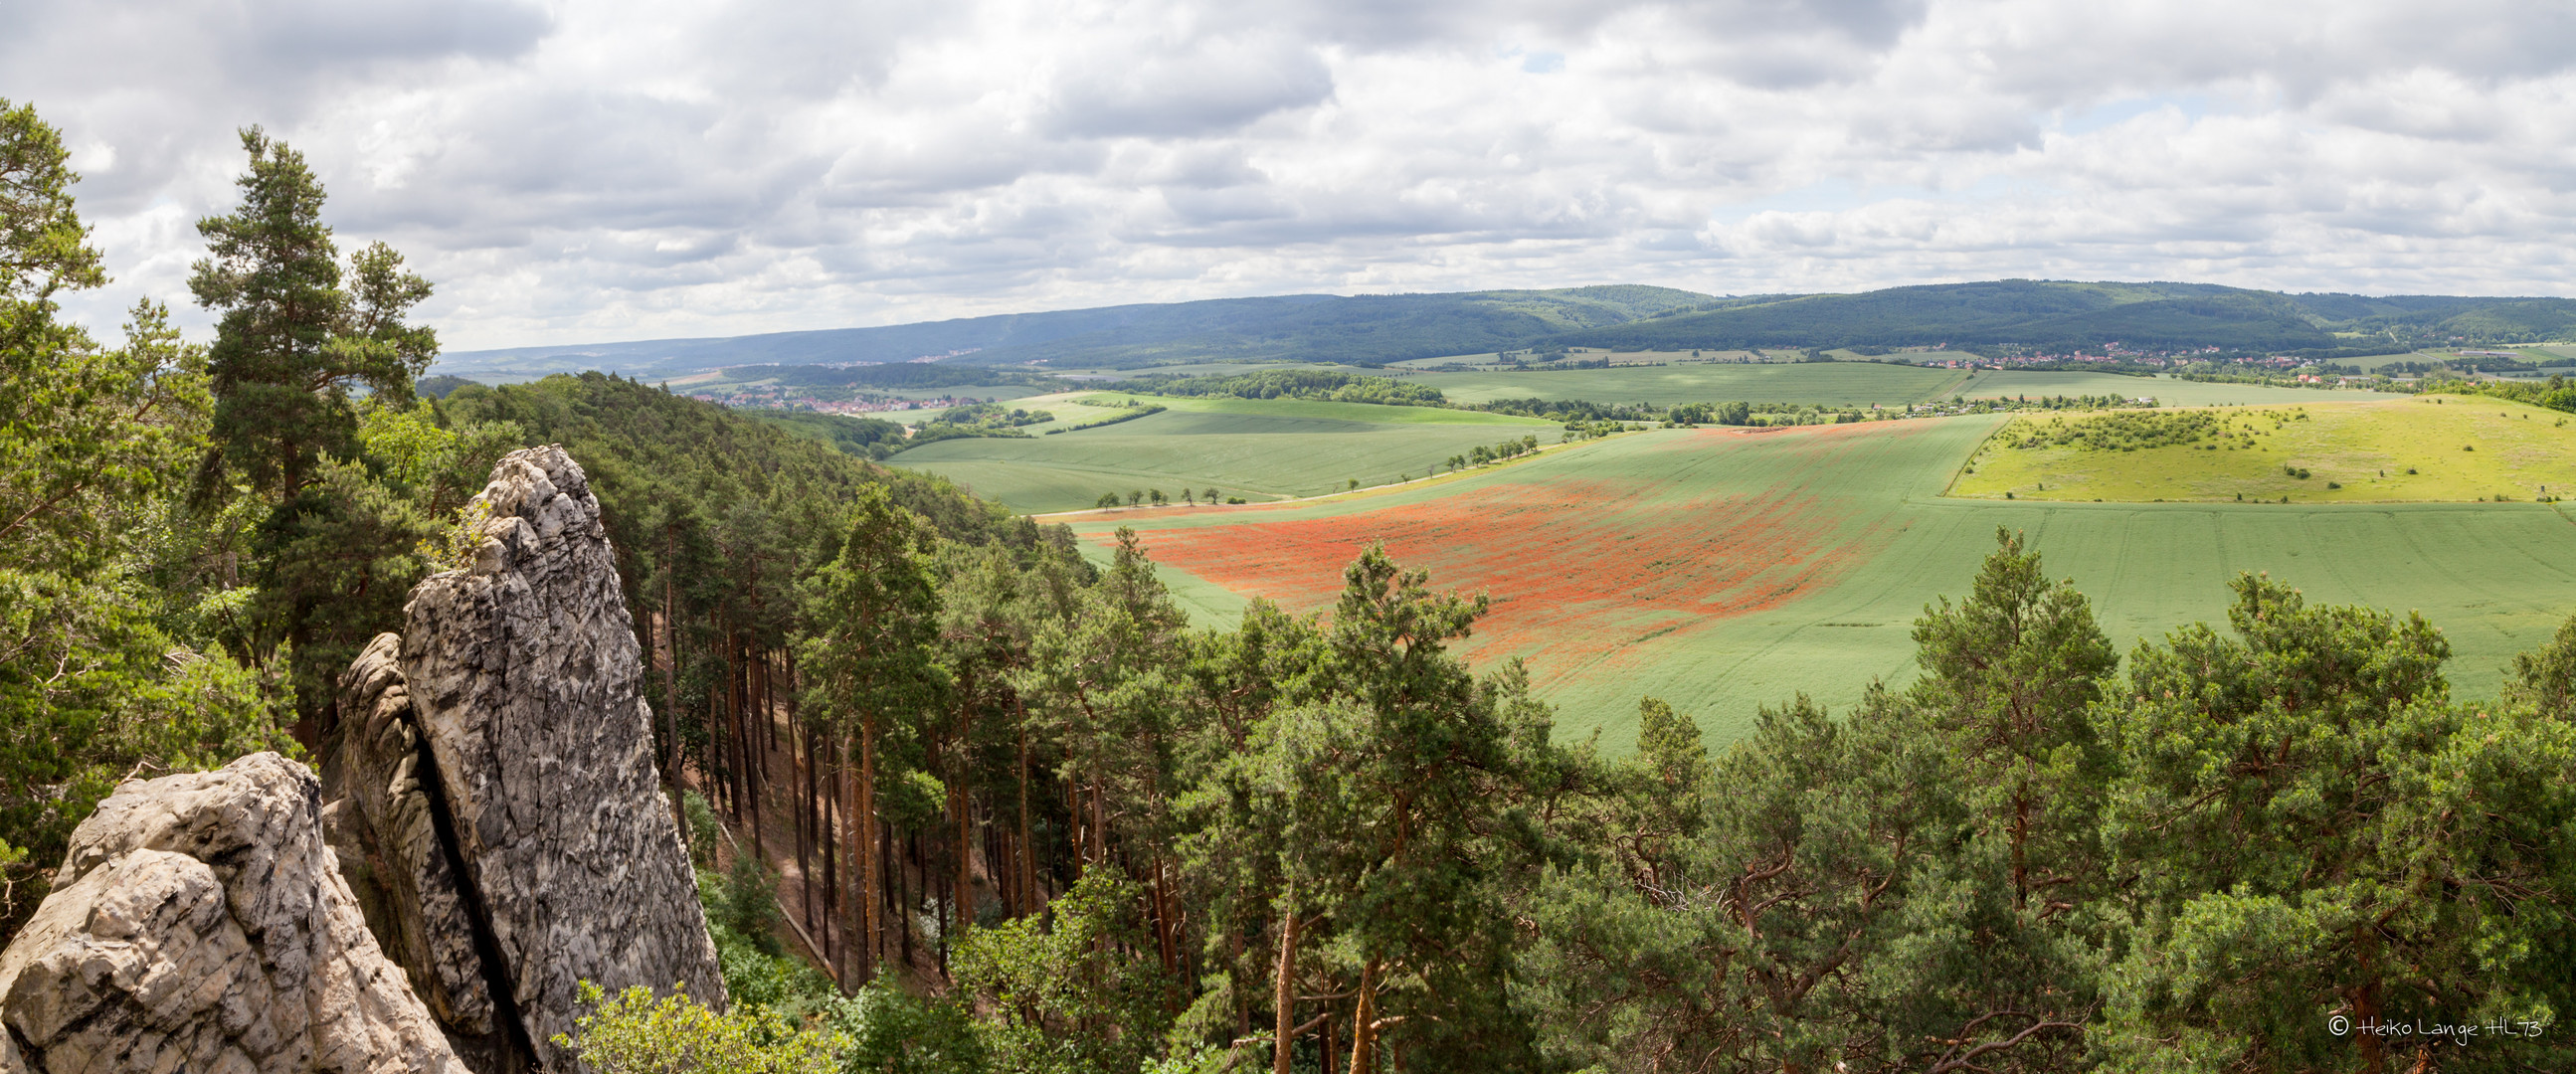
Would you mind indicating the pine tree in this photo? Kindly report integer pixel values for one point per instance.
(291, 343)
(874, 617)
(291, 347)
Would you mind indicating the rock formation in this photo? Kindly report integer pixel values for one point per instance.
(198, 924)
(384, 820)
(494, 786)
(494, 831)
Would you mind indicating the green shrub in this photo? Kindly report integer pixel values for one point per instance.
(632, 1032)
(702, 830)
(892, 1031)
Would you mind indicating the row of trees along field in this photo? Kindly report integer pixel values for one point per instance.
(987, 806)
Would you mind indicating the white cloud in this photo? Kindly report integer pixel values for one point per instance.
(578, 169)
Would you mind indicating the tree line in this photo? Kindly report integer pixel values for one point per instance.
(1325, 842)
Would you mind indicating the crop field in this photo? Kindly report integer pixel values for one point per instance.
(2401, 449)
(1724, 569)
(721, 382)
(2169, 391)
(1828, 383)
(1259, 449)
(1203, 369)
(1072, 408)
(1586, 353)
(1841, 384)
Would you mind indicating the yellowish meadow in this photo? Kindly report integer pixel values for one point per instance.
(2437, 448)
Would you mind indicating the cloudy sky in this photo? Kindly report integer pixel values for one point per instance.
(591, 170)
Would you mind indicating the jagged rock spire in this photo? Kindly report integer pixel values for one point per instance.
(509, 716)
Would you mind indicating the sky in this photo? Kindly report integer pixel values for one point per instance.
(582, 170)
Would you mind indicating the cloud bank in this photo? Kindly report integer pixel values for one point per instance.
(580, 170)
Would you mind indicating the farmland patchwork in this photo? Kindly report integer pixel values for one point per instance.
(1723, 570)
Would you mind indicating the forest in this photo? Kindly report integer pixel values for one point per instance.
(969, 799)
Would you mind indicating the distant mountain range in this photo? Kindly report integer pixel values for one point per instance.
(1380, 329)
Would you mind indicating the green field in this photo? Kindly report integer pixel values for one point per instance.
(1259, 449)
(2411, 449)
(1206, 369)
(1827, 383)
(1282, 448)
(1839, 384)
(1701, 356)
(2169, 391)
(1723, 570)
(1074, 408)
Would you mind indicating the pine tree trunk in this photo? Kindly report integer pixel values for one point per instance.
(901, 895)
(1363, 1030)
(1163, 940)
(1028, 851)
(758, 700)
(1076, 823)
(836, 931)
(962, 894)
(719, 752)
(1099, 822)
(1284, 990)
(808, 822)
(863, 818)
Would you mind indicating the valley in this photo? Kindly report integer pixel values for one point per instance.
(1728, 569)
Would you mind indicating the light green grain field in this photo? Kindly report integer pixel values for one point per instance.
(1841, 384)
(1263, 449)
(1865, 504)
(1825, 383)
(1258, 449)
(2169, 391)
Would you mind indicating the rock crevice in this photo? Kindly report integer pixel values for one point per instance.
(498, 754)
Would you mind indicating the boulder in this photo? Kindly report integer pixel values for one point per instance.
(492, 771)
(198, 924)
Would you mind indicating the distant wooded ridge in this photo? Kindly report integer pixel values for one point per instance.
(2038, 316)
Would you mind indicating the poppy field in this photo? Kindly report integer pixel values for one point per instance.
(1723, 569)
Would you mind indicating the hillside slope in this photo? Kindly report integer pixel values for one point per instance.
(1364, 329)
(1379, 329)
(2055, 314)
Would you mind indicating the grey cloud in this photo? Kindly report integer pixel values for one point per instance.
(596, 170)
(1205, 87)
(1375, 24)
(312, 34)
(1874, 24)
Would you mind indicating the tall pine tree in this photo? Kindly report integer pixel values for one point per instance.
(292, 350)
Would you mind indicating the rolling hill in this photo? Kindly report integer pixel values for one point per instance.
(2055, 314)
(1375, 330)
(1361, 329)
